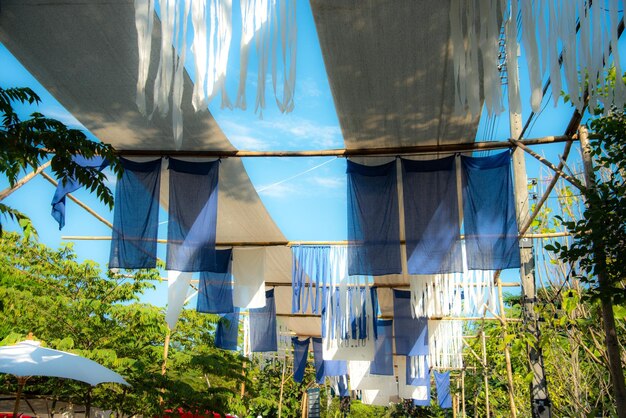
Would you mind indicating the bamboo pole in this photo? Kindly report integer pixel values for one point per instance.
(264, 243)
(507, 352)
(7, 192)
(354, 152)
(485, 377)
(166, 347)
(547, 163)
(555, 179)
(282, 385)
(463, 393)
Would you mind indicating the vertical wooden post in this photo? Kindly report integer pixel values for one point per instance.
(606, 301)
(463, 393)
(540, 401)
(507, 352)
(282, 385)
(21, 381)
(485, 377)
(166, 347)
(243, 383)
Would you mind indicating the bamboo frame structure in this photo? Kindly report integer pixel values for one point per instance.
(523, 144)
(354, 152)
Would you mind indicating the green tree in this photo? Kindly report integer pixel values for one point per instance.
(30, 142)
(72, 306)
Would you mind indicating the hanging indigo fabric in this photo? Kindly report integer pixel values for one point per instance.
(411, 334)
(323, 367)
(227, 331)
(318, 360)
(136, 216)
(417, 371)
(312, 262)
(442, 380)
(300, 355)
(490, 224)
(215, 290)
(373, 220)
(192, 215)
(348, 324)
(383, 358)
(431, 215)
(342, 387)
(263, 336)
(96, 163)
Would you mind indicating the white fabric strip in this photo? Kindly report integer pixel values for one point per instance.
(445, 344)
(177, 288)
(249, 277)
(408, 391)
(144, 22)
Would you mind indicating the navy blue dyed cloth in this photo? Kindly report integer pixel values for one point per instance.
(411, 334)
(373, 220)
(192, 215)
(215, 289)
(300, 356)
(263, 336)
(383, 358)
(490, 222)
(431, 214)
(227, 331)
(136, 216)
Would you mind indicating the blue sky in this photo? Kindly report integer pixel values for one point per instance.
(305, 196)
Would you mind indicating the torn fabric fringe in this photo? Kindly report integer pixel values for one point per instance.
(453, 294)
(548, 34)
(445, 344)
(267, 23)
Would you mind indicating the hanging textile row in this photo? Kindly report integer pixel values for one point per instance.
(432, 226)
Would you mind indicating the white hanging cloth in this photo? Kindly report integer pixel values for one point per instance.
(270, 24)
(445, 344)
(177, 287)
(546, 26)
(408, 391)
(249, 277)
(360, 377)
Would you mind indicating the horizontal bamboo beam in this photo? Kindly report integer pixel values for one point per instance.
(283, 243)
(435, 318)
(378, 285)
(354, 152)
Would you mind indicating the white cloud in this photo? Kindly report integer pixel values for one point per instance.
(281, 190)
(333, 183)
(298, 131)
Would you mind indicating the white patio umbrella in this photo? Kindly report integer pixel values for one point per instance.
(28, 358)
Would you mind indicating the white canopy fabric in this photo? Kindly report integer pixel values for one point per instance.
(28, 358)
(388, 63)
